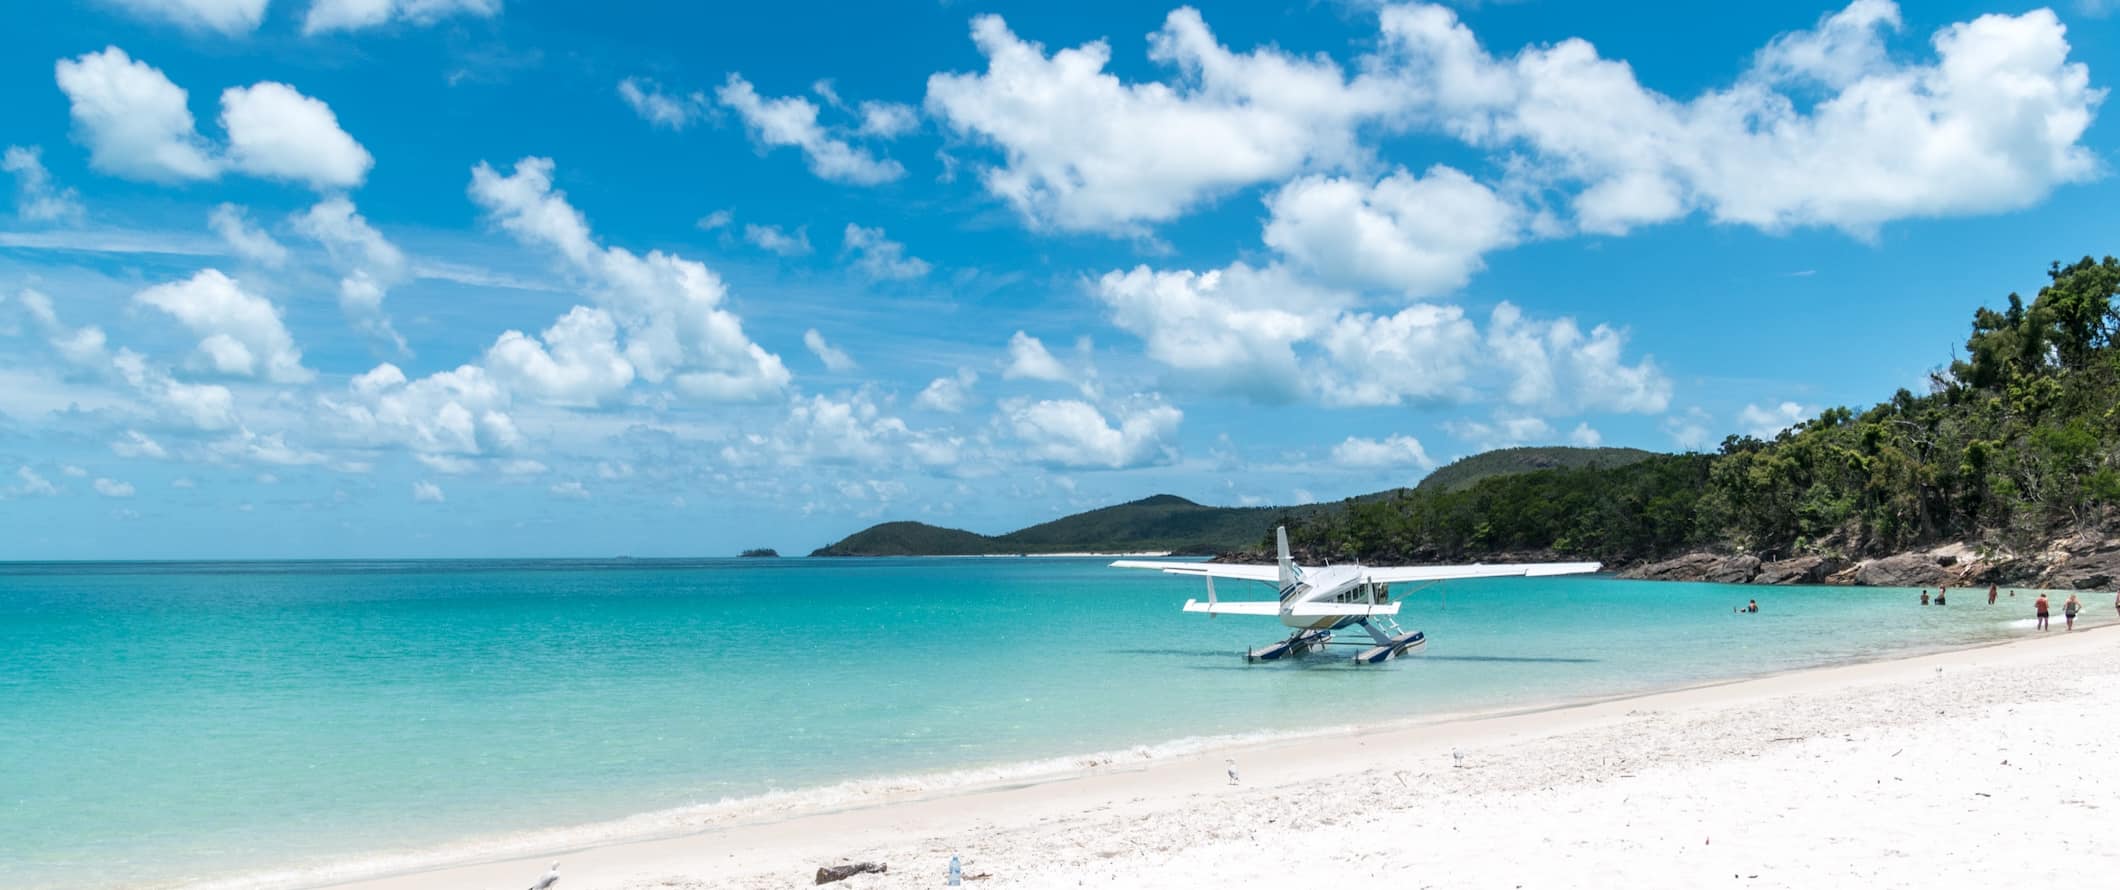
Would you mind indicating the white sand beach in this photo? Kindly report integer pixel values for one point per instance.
(1991, 766)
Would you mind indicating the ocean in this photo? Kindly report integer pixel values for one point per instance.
(164, 723)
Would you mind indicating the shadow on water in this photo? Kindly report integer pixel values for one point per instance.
(1491, 659)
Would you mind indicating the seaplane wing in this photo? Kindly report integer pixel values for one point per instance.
(1222, 608)
(1317, 601)
(1268, 574)
(1395, 574)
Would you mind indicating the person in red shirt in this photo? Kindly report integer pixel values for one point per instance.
(2040, 606)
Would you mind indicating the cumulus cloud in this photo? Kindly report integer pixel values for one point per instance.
(137, 444)
(1503, 431)
(571, 490)
(1075, 434)
(1232, 328)
(249, 242)
(1392, 451)
(457, 412)
(242, 332)
(1421, 236)
(1555, 366)
(369, 264)
(351, 15)
(1586, 436)
(1688, 429)
(37, 198)
(669, 308)
(135, 122)
(578, 364)
(792, 121)
(1824, 129)
(112, 488)
(229, 17)
(773, 239)
(424, 492)
(834, 358)
(878, 258)
(275, 132)
(1768, 422)
(29, 482)
(1028, 359)
(1086, 151)
(948, 394)
(888, 120)
(647, 99)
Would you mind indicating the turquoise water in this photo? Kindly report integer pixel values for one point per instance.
(161, 722)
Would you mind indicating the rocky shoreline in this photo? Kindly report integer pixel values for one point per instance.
(2086, 561)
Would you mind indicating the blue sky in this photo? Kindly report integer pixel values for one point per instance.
(317, 278)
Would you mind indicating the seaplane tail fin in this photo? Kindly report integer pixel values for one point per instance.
(1289, 573)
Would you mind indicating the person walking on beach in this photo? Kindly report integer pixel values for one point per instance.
(2069, 610)
(2039, 606)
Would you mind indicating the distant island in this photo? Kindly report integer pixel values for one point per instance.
(1167, 523)
(760, 553)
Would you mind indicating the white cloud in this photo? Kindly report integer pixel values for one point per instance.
(229, 17)
(879, 258)
(369, 263)
(1689, 429)
(715, 220)
(577, 365)
(277, 133)
(1422, 236)
(242, 332)
(834, 358)
(29, 482)
(1392, 451)
(1586, 436)
(37, 199)
(888, 120)
(137, 444)
(1085, 151)
(351, 15)
(74, 471)
(670, 308)
(571, 490)
(1825, 129)
(266, 448)
(523, 466)
(248, 241)
(647, 99)
(457, 412)
(1233, 329)
(1070, 433)
(792, 121)
(1423, 353)
(1028, 359)
(424, 492)
(1766, 423)
(948, 394)
(112, 488)
(133, 119)
(1557, 368)
(1505, 431)
(771, 238)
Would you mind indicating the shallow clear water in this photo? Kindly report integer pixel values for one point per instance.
(172, 721)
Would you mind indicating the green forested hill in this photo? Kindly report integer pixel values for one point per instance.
(1462, 473)
(909, 539)
(1171, 523)
(2015, 445)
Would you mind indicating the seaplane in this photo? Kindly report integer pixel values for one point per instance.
(1317, 601)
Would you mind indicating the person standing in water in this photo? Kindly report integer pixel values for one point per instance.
(2039, 606)
(1924, 596)
(1991, 595)
(1939, 594)
(2069, 610)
